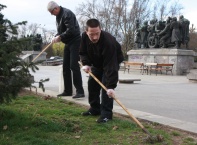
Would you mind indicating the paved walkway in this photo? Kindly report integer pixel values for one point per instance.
(166, 99)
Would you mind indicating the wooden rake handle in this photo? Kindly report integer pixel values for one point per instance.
(132, 117)
(42, 51)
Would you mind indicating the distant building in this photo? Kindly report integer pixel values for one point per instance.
(28, 56)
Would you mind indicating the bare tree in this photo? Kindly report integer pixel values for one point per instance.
(193, 38)
(175, 9)
(192, 29)
(118, 16)
(165, 8)
(86, 11)
(30, 30)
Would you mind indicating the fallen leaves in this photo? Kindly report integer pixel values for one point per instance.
(77, 137)
(115, 127)
(47, 97)
(5, 127)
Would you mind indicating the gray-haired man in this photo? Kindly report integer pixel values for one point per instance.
(68, 32)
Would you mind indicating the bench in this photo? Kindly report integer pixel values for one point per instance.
(159, 67)
(133, 65)
(149, 67)
(164, 67)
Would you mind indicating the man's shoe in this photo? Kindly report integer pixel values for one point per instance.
(103, 120)
(64, 94)
(88, 113)
(78, 96)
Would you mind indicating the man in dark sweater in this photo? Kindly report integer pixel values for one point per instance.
(68, 32)
(101, 54)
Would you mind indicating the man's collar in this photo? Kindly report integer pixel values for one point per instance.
(61, 11)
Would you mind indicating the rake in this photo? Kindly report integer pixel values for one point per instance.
(150, 138)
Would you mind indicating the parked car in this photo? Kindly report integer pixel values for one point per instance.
(54, 60)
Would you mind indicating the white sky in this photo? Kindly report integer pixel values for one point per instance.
(35, 11)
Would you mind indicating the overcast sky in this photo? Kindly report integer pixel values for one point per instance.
(35, 11)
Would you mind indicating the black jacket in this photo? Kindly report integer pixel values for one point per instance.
(106, 55)
(67, 25)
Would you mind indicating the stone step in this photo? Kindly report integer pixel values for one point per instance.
(192, 75)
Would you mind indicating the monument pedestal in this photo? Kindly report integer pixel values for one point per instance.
(183, 60)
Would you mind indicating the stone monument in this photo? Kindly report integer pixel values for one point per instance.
(163, 45)
(183, 60)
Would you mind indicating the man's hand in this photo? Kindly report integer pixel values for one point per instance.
(56, 39)
(110, 92)
(86, 68)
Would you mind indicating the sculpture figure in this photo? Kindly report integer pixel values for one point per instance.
(176, 34)
(166, 34)
(154, 38)
(151, 28)
(159, 26)
(184, 23)
(144, 34)
(137, 38)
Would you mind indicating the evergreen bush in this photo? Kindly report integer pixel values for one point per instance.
(14, 72)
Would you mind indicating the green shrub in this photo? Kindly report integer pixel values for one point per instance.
(14, 73)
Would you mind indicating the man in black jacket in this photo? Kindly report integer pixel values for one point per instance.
(68, 32)
(101, 54)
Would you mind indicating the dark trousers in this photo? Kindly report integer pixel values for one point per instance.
(70, 63)
(104, 105)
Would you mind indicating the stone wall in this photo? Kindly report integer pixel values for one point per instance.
(183, 60)
(34, 54)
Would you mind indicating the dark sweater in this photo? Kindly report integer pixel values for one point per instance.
(102, 55)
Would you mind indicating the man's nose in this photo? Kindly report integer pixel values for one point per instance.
(94, 37)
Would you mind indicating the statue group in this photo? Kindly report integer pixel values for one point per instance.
(162, 34)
